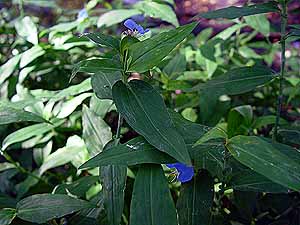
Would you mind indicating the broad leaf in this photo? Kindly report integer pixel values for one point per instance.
(96, 133)
(266, 160)
(238, 81)
(78, 187)
(41, 208)
(144, 55)
(8, 68)
(26, 28)
(134, 152)
(30, 55)
(97, 65)
(290, 135)
(116, 16)
(151, 202)
(113, 181)
(144, 110)
(195, 200)
(103, 40)
(102, 83)
(12, 115)
(157, 10)
(7, 216)
(259, 23)
(234, 12)
(29, 132)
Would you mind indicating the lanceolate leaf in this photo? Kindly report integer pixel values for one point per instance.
(134, 152)
(96, 133)
(195, 200)
(103, 40)
(97, 65)
(144, 110)
(102, 83)
(146, 54)
(113, 180)
(7, 216)
(151, 202)
(43, 207)
(238, 81)
(233, 12)
(12, 115)
(266, 160)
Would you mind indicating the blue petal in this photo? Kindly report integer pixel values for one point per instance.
(130, 24)
(186, 173)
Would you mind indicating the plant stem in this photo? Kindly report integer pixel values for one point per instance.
(118, 134)
(282, 67)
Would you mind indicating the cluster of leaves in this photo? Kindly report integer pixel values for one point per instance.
(95, 152)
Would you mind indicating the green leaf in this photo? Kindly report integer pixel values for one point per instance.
(26, 28)
(238, 81)
(30, 55)
(61, 156)
(41, 208)
(145, 111)
(96, 133)
(68, 107)
(151, 202)
(196, 199)
(248, 180)
(176, 66)
(134, 152)
(259, 23)
(234, 12)
(156, 10)
(263, 121)
(146, 54)
(29, 132)
(216, 132)
(266, 160)
(96, 65)
(290, 135)
(113, 180)
(116, 16)
(9, 114)
(7, 216)
(78, 187)
(103, 40)
(102, 83)
(8, 68)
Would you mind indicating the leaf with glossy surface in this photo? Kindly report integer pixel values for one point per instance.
(145, 111)
(266, 160)
(96, 133)
(146, 54)
(7, 216)
(103, 40)
(134, 152)
(151, 202)
(234, 12)
(116, 16)
(26, 28)
(41, 208)
(102, 83)
(28, 132)
(30, 55)
(12, 115)
(157, 10)
(113, 180)
(8, 68)
(238, 81)
(195, 200)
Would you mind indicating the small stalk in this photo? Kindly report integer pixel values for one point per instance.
(118, 134)
(282, 67)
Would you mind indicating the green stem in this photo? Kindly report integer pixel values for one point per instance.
(118, 134)
(282, 68)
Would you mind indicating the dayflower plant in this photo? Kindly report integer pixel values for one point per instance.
(82, 14)
(185, 173)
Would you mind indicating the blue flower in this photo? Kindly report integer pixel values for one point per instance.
(82, 14)
(133, 26)
(185, 173)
